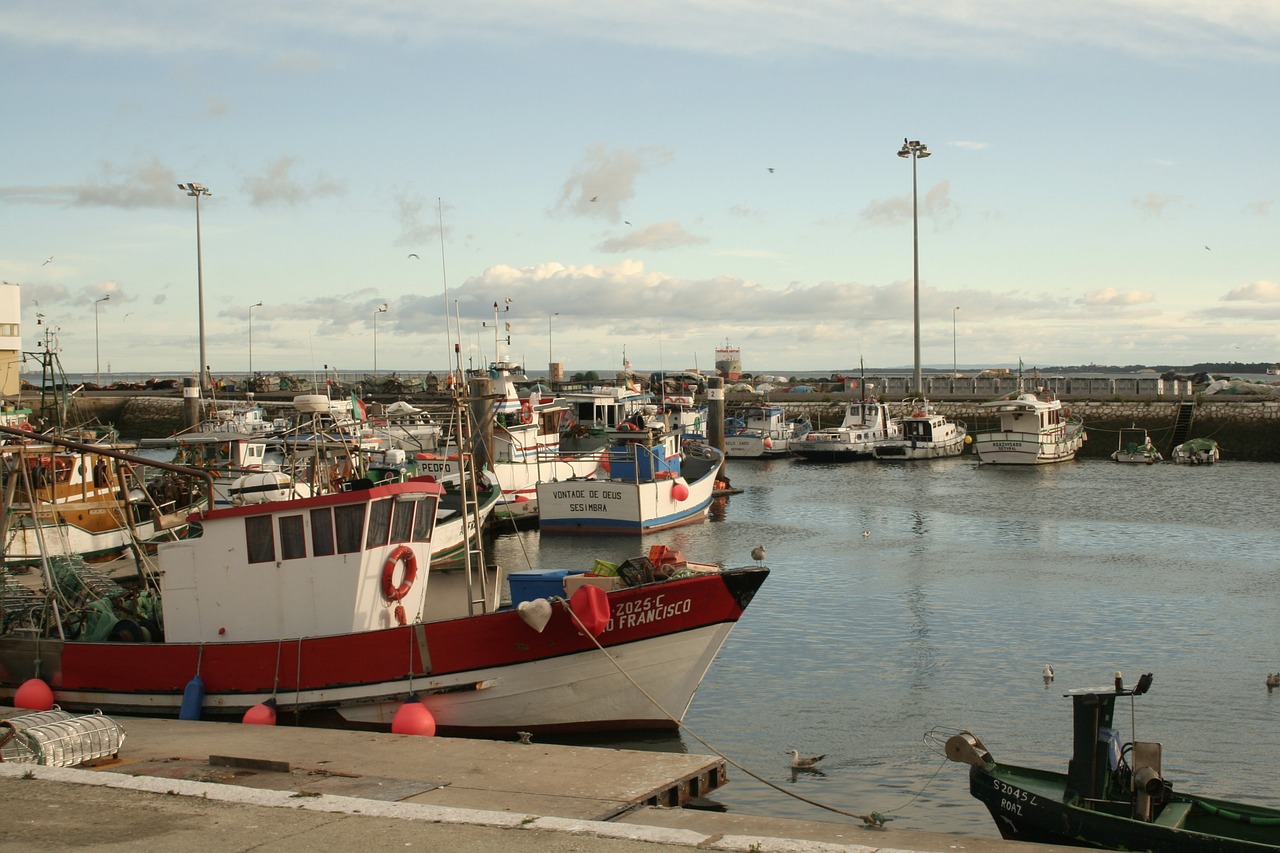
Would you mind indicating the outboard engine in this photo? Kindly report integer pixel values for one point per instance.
(1148, 784)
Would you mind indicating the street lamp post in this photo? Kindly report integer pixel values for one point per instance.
(381, 310)
(195, 191)
(550, 358)
(251, 307)
(955, 372)
(97, 359)
(915, 150)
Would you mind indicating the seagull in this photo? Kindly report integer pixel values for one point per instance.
(413, 255)
(757, 554)
(798, 763)
(48, 260)
(1208, 249)
(866, 533)
(525, 737)
(770, 170)
(1047, 673)
(1273, 681)
(595, 198)
(627, 221)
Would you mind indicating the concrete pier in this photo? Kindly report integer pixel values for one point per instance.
(194, 786)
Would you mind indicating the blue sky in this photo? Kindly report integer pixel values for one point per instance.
(660, 177)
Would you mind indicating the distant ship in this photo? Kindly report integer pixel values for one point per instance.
(729, 362)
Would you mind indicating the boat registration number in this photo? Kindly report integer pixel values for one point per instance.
(1012, 798)
(631, 614)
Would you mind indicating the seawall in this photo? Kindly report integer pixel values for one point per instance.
(1245, 429)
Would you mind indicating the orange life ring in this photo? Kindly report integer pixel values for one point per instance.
(526, 412)
(26, 425)
(402, 553)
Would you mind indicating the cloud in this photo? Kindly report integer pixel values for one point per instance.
(277, 185)
(1112, 297)
(1170, 30)
(148, 184)
(1258, 208)
(970, 146)
(1153, 204)
(1257, 291)
(660, 235)
(604, 180)
(935, 204)
(418, 225)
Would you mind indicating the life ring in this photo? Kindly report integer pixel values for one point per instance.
(402, 553)
(26, 425)
(526, 412)
(1066, 413)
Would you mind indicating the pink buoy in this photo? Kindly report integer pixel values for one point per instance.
(679, 492)
(413, 718)
(34, 695)
(262, 714)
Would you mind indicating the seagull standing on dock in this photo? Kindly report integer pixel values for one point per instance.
(798, 763)
(757, 554)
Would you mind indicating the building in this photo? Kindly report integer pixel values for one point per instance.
(10, 338)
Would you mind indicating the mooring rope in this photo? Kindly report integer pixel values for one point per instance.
(874, 818)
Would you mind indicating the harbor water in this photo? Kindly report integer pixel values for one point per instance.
(909, 596)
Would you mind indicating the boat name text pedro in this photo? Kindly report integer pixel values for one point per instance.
(632, 613)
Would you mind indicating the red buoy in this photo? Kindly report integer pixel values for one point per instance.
(262, 714)
(591, 605)
(679, 492)
(34, 695)
(413, 718)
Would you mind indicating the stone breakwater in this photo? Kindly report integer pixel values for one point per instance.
(1246, 429)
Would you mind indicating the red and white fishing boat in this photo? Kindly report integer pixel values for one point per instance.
(329, 605)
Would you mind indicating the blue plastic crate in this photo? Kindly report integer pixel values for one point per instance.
(527, 586)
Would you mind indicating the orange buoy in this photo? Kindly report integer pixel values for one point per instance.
(679, 492)
(262, 714)
(413, 718)
(34, 695)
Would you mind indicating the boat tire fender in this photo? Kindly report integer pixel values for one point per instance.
(526, 412)
(390, 591)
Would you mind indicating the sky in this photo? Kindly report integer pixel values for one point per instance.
(642, 180)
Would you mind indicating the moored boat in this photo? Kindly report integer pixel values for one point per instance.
(1114, 795)
(1197, 451)
(649, 480)
(1032, 431)
(926, 434)
(761, 431)
(1135, 447)
(865, 423)
(330, 606)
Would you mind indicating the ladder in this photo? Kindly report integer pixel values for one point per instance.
(479, 594)
(1182, 424)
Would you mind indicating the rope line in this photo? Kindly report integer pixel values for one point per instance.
(870, 819)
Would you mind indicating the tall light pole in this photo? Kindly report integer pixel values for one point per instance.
(955, 373)
(251, 307)
(550, 358)
(195, 191)
(915, 150)
(381, 310)
(97, 360)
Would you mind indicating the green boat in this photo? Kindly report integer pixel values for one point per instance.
(1113, 795)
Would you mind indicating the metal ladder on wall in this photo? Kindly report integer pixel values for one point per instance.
(1182, 425)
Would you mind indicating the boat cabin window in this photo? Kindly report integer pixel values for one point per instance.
(293, 538)
(322, 532)
(260, 542)
(379, 523)
(349, 523)
(402, 521)
(424, 520)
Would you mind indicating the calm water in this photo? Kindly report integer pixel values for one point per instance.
(969, 581)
